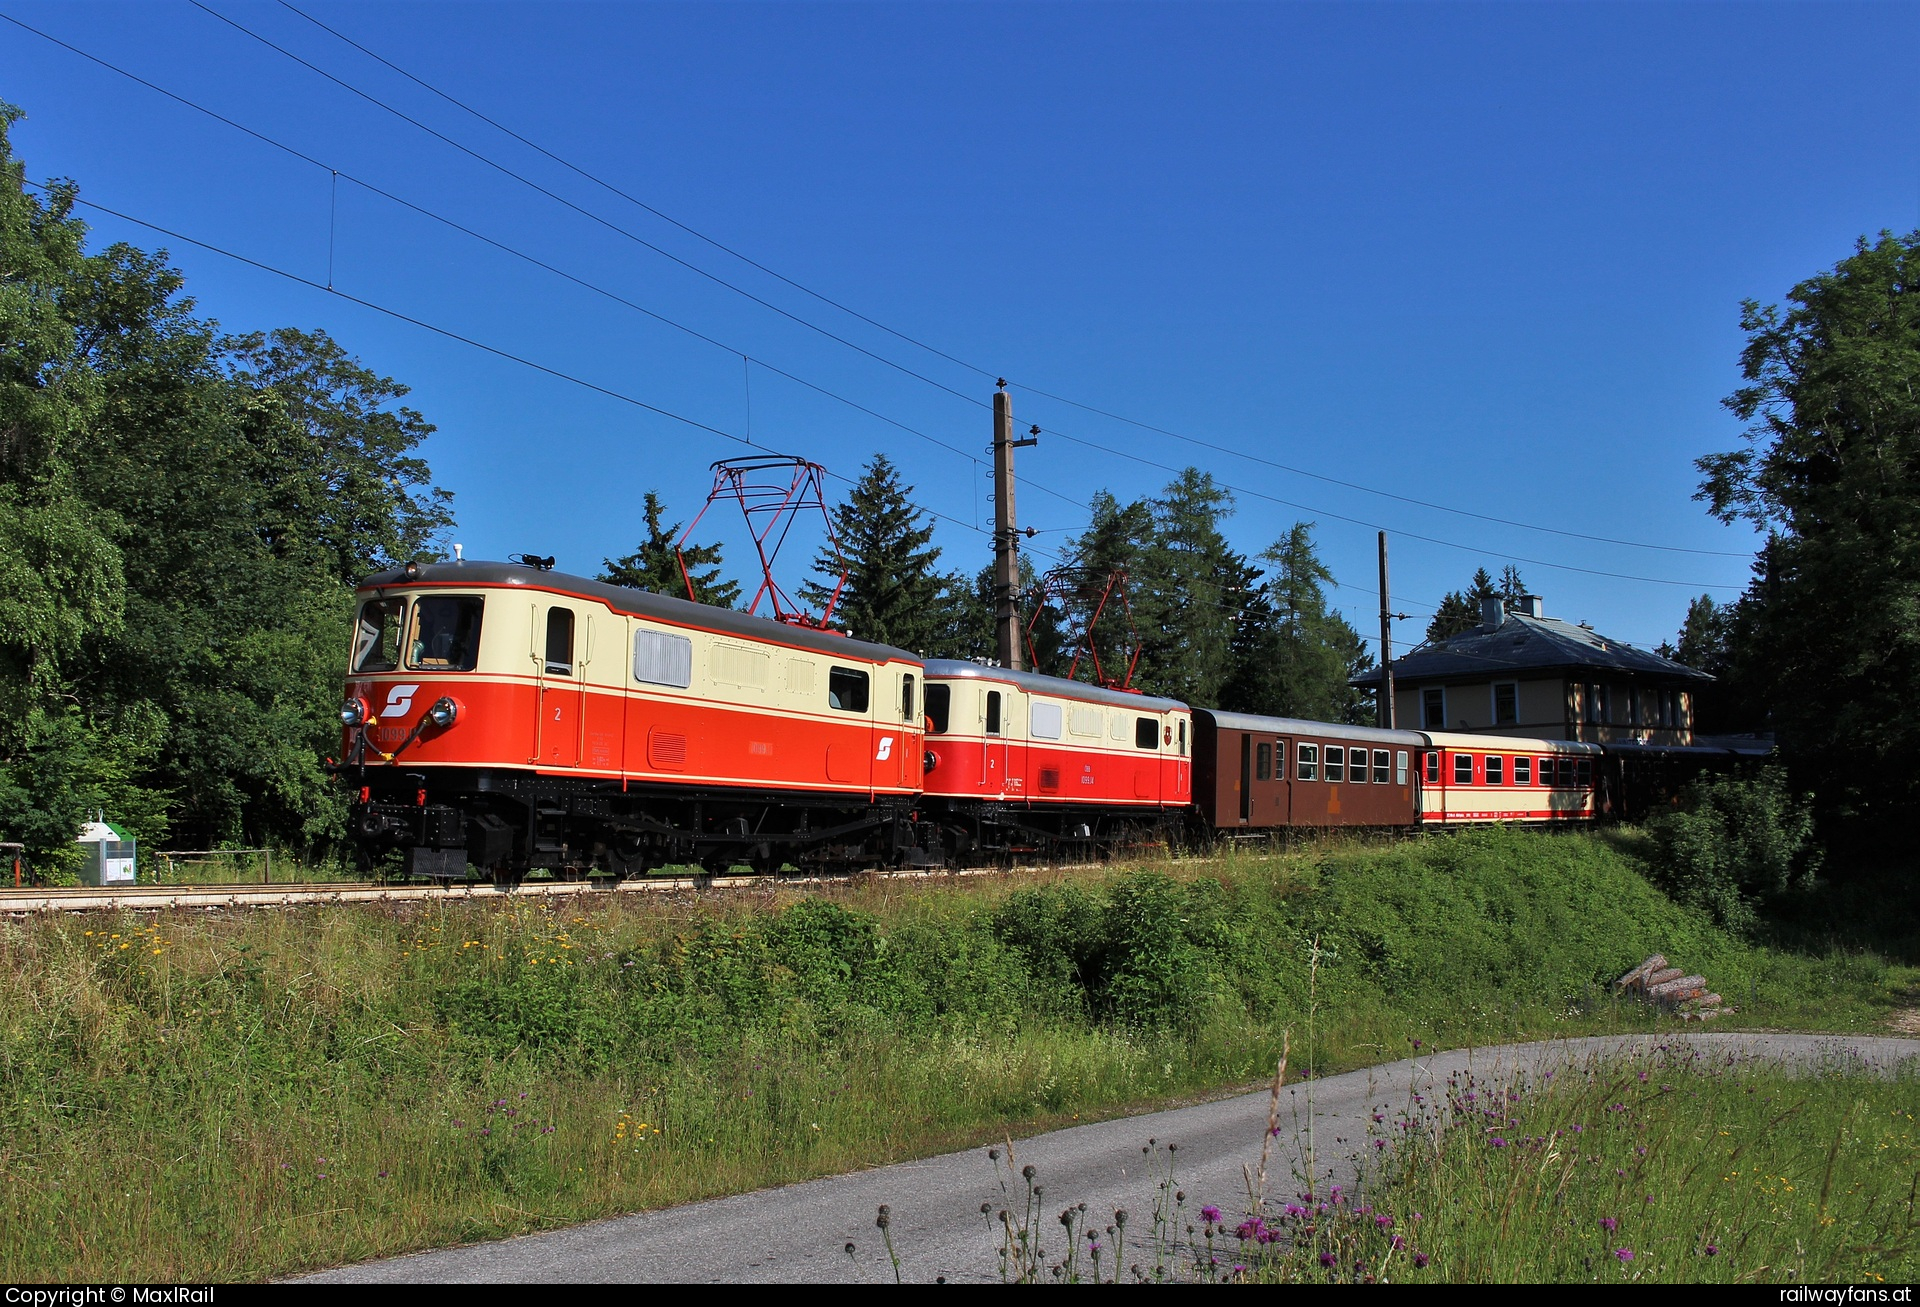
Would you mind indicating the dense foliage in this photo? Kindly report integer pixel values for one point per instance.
(657, 564)
(1734, 843)
(182, 516)
(1828, 634)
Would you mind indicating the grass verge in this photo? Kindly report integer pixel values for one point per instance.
(246, 1094)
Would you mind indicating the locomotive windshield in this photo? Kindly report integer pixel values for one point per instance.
(376, 637)
(939, 708)
(444, 635)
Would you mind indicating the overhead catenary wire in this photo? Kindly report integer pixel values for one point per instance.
(1091, 444)
(895, 332)
(569, 204)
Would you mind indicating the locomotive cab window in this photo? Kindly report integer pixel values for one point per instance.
(559, 642)
(444, 635)
(846, 689)
(1463, 769)
(939, 708)
(1336, 763)
(1146, 732)
(906, 698)
(1309, 755)
(376, 637)
(1183, 737)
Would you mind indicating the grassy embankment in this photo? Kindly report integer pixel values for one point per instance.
(1674, 1167)
(253, 1093)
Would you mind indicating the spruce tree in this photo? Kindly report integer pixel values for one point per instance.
(653, 566)
(1459, 610)
(1186, 598)
(893, 595)
(1295, 653)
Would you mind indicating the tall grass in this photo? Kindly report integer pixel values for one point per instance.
(244, 1094)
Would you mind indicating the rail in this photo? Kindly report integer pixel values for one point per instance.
(150, 898)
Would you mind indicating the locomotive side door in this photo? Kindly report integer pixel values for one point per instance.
(993, 755)
(557, 739)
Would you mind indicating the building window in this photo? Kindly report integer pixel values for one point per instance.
(1263, 762)
(1336, 763)
(1380, 765)
(1463, 769)
(1506, 704)
(1434, 708)
(1523, 771)
(1309, 768)
(1496, 769)
(1597, 706)
(1633, 705)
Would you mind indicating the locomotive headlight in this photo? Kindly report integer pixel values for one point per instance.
(353, 712)
(444, 713)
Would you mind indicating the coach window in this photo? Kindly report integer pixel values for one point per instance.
(1146, 732)
(1380, 765)
(1183, 737)
(846, 689)
(559, 660)
(1496, 769)
(1263, 762)
(1583, 776)
(444, 635)
(1309, 762)
(1435, 708)
(939, 708)
(1546, 772)
(1463, 769)
(1506, 703)
(1433, 766)
(993, 712)
(1336, 763)
(1400, 767)
(376, 639)
(1523, 771)
(906, 698)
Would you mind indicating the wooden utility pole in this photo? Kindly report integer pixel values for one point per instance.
(1386, 643)
(1008, 647)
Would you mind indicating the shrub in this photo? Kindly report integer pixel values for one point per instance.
(1735, 842)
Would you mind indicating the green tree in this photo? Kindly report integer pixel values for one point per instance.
(1459, 610)
(1294, 653)
(655, 567)
(893, 595)
(1830, 628)
(1190, 587)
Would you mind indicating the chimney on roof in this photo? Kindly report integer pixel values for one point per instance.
(1492, 612)
(1528, 606)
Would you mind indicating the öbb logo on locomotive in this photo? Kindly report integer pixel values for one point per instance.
(583, 728)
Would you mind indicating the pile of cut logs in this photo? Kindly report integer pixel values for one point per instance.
(1653, 981)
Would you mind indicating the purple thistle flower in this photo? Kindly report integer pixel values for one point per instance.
(1397, 1242)
(1624, 1254)
(1210, 1214)
(1608, 1224)
(1327, 1260)
(1712, 1251)
(1420, 1261)
(1497, 1142)
(1383, 1222)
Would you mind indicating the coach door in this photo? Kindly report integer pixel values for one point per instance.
(1246, 779)
(555, 654)
(1283, 778)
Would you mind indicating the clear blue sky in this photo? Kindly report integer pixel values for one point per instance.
(1489, 256)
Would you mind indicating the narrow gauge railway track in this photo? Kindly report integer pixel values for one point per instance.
(150, 898)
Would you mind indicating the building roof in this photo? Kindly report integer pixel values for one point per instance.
(1521, 643)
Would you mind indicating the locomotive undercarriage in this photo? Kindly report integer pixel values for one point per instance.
(448, 823)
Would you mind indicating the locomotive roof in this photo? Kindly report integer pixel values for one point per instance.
(1522, 643)
(1035, 683)
(1239, 721)
(641, 603)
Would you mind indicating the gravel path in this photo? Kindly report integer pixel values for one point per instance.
(799, 1233)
